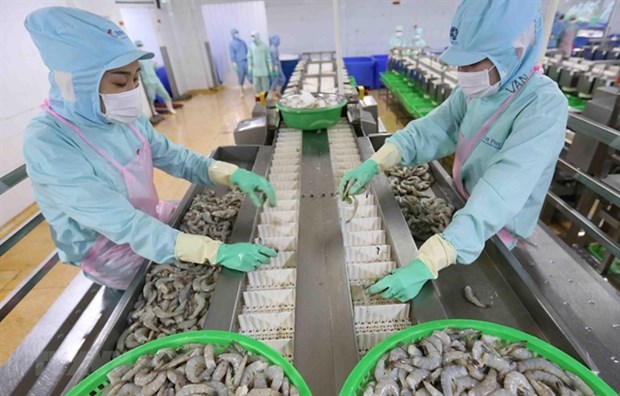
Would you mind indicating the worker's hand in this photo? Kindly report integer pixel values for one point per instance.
(244, 257)
(235, 67)
(251, 183)
(230, 175)
(200, 249)
(354, 181)
(403, 283)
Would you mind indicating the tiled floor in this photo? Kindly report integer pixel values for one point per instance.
(205, 122)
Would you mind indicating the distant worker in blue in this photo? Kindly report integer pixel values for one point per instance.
(556, 31)
(277, 75)
(259, 63)
(238, 52)
(567, 37)
(397, 41)
(152, 83)
(91, 153)
(417, 44)
(505, 121)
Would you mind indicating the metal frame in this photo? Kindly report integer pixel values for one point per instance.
(18, 294)
(13, 178)
(323, 308)
(600, 132)
(12, 239)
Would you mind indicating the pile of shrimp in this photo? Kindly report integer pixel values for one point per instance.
(464, 362)
(425, 215)
(195, 369)
(176, 297)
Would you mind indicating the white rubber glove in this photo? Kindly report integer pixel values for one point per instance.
(387, 156)
(196, 249)
(437, 254)
(220, 172)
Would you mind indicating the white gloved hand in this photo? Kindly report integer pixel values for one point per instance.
(197, 249)
(437, 254)
(220, 173)
(387, 156)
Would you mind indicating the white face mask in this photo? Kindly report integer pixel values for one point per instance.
(124, 107)
(476, 84)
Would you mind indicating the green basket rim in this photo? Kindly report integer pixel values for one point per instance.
(535, 344)
(201, 337)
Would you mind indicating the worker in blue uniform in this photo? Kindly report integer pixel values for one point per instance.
(259, 63)
(505, 122)
(277, 75)
(238, 52)
(556, 30)
(397, 41)
(90, 157)
(152, 84)
(417, 43)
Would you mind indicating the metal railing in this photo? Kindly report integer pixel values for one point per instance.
(7, 182)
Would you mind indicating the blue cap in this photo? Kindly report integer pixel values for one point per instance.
(508, 32)
(78, 47)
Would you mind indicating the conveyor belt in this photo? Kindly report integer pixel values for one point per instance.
(541, 288)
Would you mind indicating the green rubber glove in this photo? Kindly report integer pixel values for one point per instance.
(243, 256)
(251, 183)
(354, 181)
(403, 283)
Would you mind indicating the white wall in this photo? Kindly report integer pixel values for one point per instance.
(614, 20)
(139, 23)
(24, 86)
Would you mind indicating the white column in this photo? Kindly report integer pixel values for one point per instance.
(337, 38)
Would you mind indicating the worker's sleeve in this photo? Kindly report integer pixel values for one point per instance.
(231, 52)
(433, 136)
(174, 159)
(250, 57)
(536, 139)
(269, 61)
(63, 178)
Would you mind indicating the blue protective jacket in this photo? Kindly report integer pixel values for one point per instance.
(80, 193)
(238, 51)
(277, 78)
(509, 172)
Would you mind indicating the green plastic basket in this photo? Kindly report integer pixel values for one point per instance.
(312, 119)
(361, 374)
(95, 383)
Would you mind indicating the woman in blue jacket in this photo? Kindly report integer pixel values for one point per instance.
(90, 158)
(505, 122)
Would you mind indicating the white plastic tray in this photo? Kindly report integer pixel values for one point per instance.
(367, 254)
(271, 279)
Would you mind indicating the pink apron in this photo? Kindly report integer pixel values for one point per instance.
(105, 262)
(465, 147)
